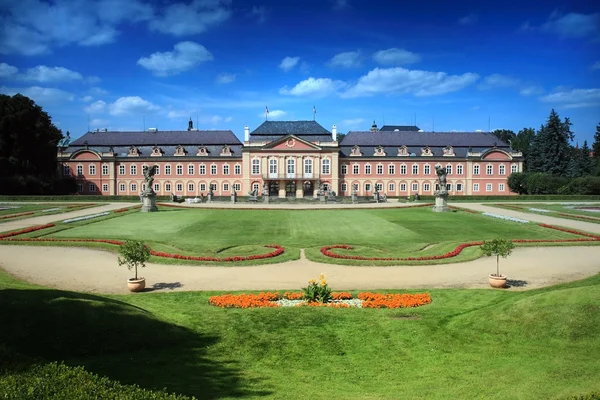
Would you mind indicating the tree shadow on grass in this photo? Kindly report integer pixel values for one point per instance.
(516, 283)
(114, 339)
(164, 285)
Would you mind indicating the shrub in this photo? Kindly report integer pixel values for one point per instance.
(135, 254)
(499, 248)
(317, 292)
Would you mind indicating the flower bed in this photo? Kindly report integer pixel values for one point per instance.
(16, 215)
(579, 217)
(541, 210)
(507, 218)
(26, 230)
(120, 210)
(509, 206)
(341, 300)
(52, 209)
(85, 217)
(278, 251)
(81, 205)
(463, 209)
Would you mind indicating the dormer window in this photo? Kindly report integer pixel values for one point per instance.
(179, 150)
(156, 152)
(133, 152)
(355, 151)
(448, 151)
(379, 151)
(202, 151)
(225, 151)
(426, 151)
(403, 151)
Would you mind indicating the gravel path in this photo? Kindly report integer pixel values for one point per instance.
(97, 271)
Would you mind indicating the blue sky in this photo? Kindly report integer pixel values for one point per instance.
(452, 66)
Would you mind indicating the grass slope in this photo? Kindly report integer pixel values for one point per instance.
(539, 344)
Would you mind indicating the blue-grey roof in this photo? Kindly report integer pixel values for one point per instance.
(298, 128)
(411, 128)
(308, 138)
(168, 151)
(432, 139)
(159, 138)
(414, 151)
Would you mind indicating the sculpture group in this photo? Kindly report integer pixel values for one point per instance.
(441, 195)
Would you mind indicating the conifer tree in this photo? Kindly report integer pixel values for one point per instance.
(552, 146)
(586, 164)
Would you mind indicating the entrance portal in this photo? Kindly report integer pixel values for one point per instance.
(308, 189)
(290, 189)
(274, 189)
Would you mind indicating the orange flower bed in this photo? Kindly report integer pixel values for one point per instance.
(300, 295)
(379, 300)
(293, 295)
(245, 300)
(341, 295)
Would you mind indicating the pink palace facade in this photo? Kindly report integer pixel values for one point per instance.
(292, 158)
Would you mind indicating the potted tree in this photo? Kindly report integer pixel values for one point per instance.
(499, 248)
(134, 254)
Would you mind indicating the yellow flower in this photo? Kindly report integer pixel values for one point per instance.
(322, 277)
(312, 281)
(323, 282)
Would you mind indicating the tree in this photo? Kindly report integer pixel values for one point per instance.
(586, 164)
(596, 149)
(28, 139)
(505, 135)
(517, 182)
(133, 254)
(339, 137)
(499, 248)
(522, 142)
(552, 146)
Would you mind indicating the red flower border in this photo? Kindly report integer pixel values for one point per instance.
(17, 215)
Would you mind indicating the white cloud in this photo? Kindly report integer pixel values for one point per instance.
(347, 59)
(41, 95)
(288, 63)
(225, 78)
(185, 56)
(99, 123)
(181, 19)
(494, 81)
(352, 123)
(7, 71)
(396, 56)
(96, 91)
(174, 114)
(131, 105)
(596, 65)
(260, 13)
(574, 98)
(400, 80)
(44, 74)
(571, 25)
(273, 114)
(87, 99)
(313, 87)
(531, 90)
(469, 19)
(96, 107)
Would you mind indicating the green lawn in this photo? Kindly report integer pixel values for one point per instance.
(374, 232)
(485, 344)
(556, 210)
(37, 209)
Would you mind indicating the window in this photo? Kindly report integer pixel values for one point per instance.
(273, 166)
(415, 169)
(226, 187)
(344, 187)
(80, 187)
(157, 169)
(476, 187)
(255, 186)
(415, 187)
(66, 170)
(179, 169)
(121, 170)
(203, 187)
(502, 169)
(355, 169)
(190, 187)
(403, 169)
(122, 187)
(167, 187)
(514, 168)
(448, 169)
(237, 169)
(403, 187)
(308, 166)
(104, 169)
(179, 187)
(202, 169)
(489, 170)
(426, 187)
(459, 187)
(355, 186)
(427, 170)
(255, 166)
(475, 169)
(167, 170)
(367, 169)
(367, 187)
(79, 170)
(213, 186)
(92, 188)
(344, 169)
(134, 187)
(225, 169)
(488, 187)
(105, 187)
(379, 169)
(325, 170)
(449, 187)
(133, 169)
(213, 169)
(391, 169)
(501, 187)
(291, 166)
(379, 187)
(191, 169)
(391, 187)
(459, 169)
(237, 187)
(157, 187)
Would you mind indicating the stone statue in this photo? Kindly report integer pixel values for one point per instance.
(265, 189)
(321, 190)
(149, 173)
(253, 193)
(148, 196)
(210, 190)
(441, 173)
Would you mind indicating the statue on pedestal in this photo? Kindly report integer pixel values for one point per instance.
(148, 196)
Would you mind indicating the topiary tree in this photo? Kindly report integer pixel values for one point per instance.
(134, 254)
(499, 248)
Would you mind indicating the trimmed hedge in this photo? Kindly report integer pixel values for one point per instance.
(522, 197)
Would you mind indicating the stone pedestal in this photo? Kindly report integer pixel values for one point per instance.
(210, 197)
(441, 201)
(266, 199)
(354, 198)
(148, 201)
(233, 197)
(322, 198)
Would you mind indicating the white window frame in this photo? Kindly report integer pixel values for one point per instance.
(459, 169)
(168, 169)
(403, 169)
(379, 169)
(179, 187)
(237, 187)
(133, 170)
(459, 187)
(427, 169)
(92, 169)
(476, 187)
(255, 166)
(403, 187)
(167, 187)
(79, 170)
(379, 187)
(414, 187)
(104, 169)
(273, 166)
(202, 169)
(367, 187)
(190, 187)
(190, 169)
(237, 169)
(449, 169)
(156, 187)
(502, 169)
(326, 166)
(121, 169)
(290, 167)
(476, 169)
(213, 169)
(355, 169)
(105, 187)
(226, 187)
(308, 167)
(203, 187)
(391, 187)
(488, 187)
(514, 168)
(179, 169)
(122, 187)
(501, 187)
(344, 170)
(489, 169)
(225, 169)
(415, 169)
(391, 169)
(367, 169)
(133, 187)
(344, 187)
(92, 188)
(426, 187)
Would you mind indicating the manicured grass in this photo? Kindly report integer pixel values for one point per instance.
(492, 344)
(374, 232)
(556, 210)
(37, 209)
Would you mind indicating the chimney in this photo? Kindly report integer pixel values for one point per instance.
(246, 134)
(334, 132)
